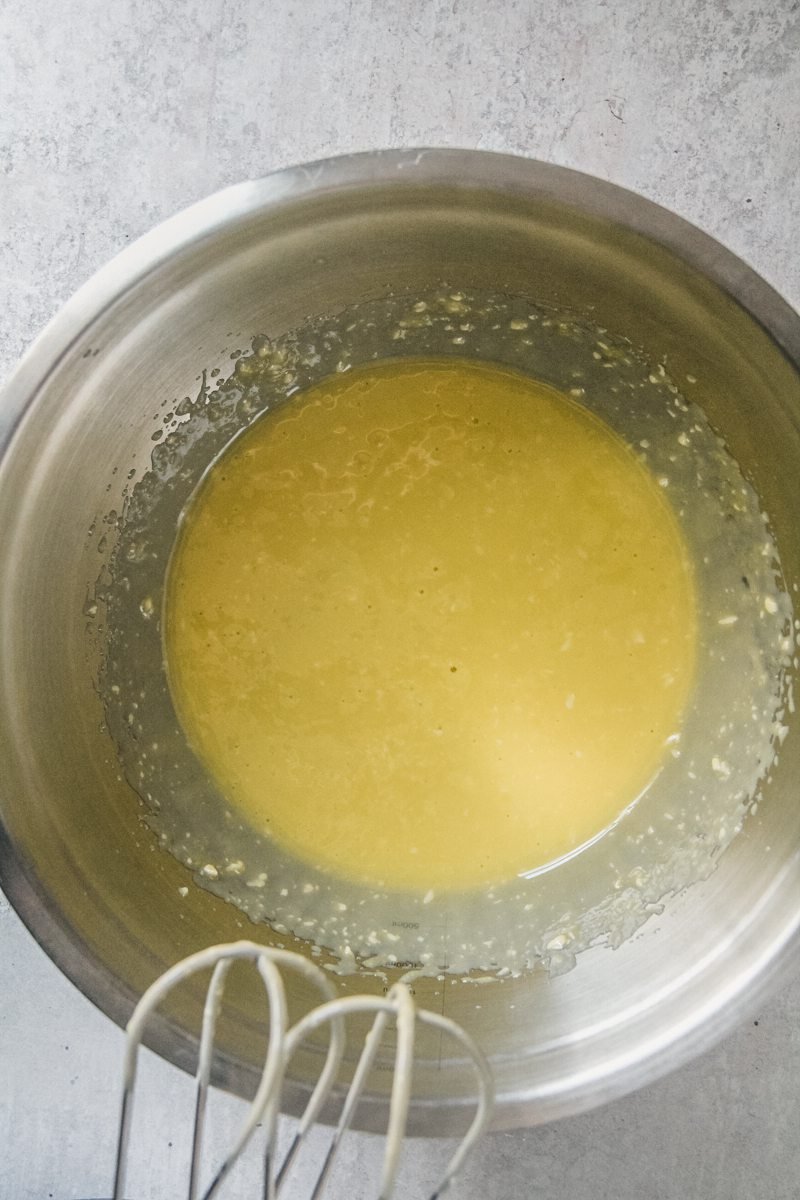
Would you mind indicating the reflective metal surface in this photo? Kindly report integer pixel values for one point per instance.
(74, 857)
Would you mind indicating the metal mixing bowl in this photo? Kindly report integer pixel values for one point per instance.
(75, 859)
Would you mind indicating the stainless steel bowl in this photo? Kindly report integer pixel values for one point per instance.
(259, 257)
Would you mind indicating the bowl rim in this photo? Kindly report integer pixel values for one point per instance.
(772, 961)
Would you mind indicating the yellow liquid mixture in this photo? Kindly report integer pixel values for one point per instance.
(430, 625)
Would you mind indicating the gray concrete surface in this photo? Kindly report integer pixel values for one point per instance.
(115, 113)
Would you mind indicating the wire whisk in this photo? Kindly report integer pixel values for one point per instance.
(283, 1041)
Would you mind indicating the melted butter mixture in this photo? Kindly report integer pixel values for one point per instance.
(430, 625)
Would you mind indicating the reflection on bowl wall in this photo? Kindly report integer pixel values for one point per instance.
(76, 860)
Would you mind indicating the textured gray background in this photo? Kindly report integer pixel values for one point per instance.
(114, 114)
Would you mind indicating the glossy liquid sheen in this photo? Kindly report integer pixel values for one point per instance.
(430, 625)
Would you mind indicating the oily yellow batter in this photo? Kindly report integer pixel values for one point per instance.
(430, 625)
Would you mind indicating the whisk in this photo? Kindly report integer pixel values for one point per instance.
(283, 1041)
